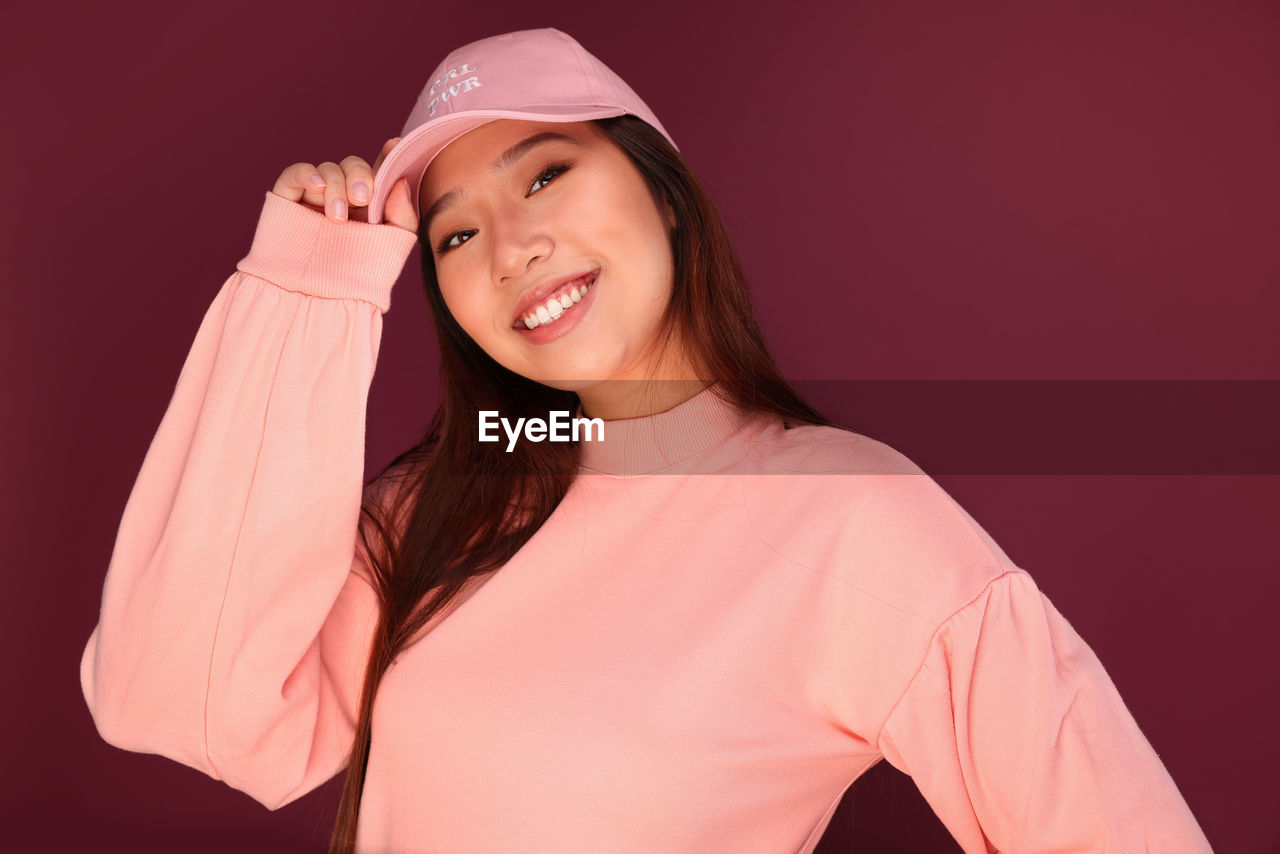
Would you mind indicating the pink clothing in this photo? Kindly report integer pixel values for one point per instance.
(721, 627)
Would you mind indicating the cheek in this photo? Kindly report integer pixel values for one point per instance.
(465, 304)
(623, 222)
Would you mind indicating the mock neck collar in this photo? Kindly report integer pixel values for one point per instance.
(665, 442)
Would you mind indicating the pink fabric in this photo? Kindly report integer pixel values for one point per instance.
(721, 627)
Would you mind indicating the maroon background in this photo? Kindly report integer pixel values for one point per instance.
(918, 191)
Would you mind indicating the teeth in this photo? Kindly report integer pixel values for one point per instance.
(551, 310)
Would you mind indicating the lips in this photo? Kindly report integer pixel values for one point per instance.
(540, 294)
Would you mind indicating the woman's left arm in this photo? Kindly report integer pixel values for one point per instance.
(1018, 739)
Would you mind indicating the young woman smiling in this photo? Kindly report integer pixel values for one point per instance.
(505, 245)
(690, 637)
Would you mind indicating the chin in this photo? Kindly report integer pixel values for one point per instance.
(572, 374)
(574, 383)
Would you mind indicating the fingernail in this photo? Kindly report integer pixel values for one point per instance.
(340, 208)
(316, 179)
(360, 191)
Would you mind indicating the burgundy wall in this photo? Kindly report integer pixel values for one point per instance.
(923, 191)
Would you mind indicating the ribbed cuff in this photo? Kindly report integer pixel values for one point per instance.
(300, 249)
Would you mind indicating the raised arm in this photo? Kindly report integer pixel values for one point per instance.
(237, 610)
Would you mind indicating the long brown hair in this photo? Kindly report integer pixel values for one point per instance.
(463, 508)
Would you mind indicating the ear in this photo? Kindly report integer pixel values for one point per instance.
(672, 224)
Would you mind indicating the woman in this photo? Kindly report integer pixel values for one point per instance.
(688, 631)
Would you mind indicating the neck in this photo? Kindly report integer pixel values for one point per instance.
(693, 436)
(662, 380)
(619, 399)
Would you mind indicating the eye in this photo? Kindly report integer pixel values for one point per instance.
(447, 243)
(546, 176)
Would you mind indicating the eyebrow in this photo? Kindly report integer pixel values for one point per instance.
(505, 161)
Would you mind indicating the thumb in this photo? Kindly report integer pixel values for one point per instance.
(398, 209)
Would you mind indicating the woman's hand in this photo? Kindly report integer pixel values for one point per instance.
(342, 190)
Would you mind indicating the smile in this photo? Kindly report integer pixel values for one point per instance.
(559, 303)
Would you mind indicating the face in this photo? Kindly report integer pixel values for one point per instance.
(551, 252)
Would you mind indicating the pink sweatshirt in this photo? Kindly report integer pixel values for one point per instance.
(722, 626)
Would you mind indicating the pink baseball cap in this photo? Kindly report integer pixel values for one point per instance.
(534, 75)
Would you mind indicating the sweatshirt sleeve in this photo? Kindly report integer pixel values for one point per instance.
(237, 609)
(1018, 739)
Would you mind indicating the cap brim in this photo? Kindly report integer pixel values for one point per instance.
(414, 152)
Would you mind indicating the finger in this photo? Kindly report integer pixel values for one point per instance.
(382, 155)
(399, 208)
(297, 181)
(334, 199)
(313, 189)
(359, 179)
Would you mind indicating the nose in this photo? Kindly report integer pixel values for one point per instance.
(520, 241)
